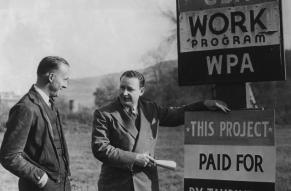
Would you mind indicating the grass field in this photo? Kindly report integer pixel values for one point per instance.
(85, 169)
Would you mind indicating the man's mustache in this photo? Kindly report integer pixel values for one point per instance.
(126, 98)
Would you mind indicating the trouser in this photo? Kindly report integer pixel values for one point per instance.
(63, 185)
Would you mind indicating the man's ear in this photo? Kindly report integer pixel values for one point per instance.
(142, 89)
(50, 77)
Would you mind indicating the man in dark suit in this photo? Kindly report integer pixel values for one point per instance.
(125, 134)
(34, 146)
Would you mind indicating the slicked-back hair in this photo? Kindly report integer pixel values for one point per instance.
(134, 74)
(50, 63)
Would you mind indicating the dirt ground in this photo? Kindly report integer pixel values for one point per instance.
(85, 168)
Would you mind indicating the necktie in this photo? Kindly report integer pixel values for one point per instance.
(51, 100)
(132, 112)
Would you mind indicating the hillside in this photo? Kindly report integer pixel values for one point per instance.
(162, 86)
(81, 90)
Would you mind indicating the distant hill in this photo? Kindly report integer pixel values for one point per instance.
(162, 86)
(81, 90)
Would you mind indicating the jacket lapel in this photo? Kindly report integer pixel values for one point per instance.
(145, 141)
(124, 120)
(35, 97)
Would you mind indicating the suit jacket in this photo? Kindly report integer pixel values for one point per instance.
(28, 148)
(116, 141)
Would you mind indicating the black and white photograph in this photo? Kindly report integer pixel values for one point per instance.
(145, 95)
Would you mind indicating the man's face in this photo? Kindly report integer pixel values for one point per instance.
(59, 80)
(130, 91)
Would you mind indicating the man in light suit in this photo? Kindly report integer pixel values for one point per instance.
(125, 133)
(34, 146)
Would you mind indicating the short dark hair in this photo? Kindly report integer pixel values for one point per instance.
(50, 63)
(134, 74)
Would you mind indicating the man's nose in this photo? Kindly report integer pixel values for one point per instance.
(125, 92)
(65, 85)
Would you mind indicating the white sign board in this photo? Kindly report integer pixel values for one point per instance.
(233, 151)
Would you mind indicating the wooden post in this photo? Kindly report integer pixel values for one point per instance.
(235, 95)
(73, 107)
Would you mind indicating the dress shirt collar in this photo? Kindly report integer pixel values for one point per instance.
(43, 95)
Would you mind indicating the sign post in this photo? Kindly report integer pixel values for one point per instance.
(234, 151)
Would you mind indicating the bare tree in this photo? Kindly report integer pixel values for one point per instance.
(159, 54)
(106, 93)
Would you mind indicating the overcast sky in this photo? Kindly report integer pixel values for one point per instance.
(96, 37)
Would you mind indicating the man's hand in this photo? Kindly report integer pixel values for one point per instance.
(43, 180)
(216, 105)
(144, 160)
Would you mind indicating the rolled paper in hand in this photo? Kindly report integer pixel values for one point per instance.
(169, 164)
